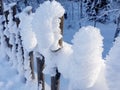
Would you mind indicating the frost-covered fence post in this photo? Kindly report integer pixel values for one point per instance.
(18, 47)
(19, 54)
(46, 24)
(118, 27)
(55, 80)
(1, 21)
(32, 64)
(14, 9)
(6, 29)
(1, 7)
(28, 42)
(6, 16)
(40, 66)
(11, 33)
(10, 22)
(3, 43)
(1, 16)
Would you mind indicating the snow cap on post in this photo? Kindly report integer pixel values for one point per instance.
(28, 10)
(12, 4)
(87, 58)
(6, 7)
(46, 24)
(12, 8)
(27, 35)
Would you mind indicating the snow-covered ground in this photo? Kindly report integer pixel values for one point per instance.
(11, 80)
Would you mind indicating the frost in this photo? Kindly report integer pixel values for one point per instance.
(28, 36)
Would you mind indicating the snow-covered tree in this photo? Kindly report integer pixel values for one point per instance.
(21, 4)
(96, 8)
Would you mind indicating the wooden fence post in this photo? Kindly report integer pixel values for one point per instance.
(1, 21)
(40, 67)
(61, 27)
(6, 13)
(4, 20)
(6, 16)
(31, 53)
(17, 20)
(14, 7)
(55, 80)
(32, 64)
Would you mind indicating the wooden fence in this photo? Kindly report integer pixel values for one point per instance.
(18, 47)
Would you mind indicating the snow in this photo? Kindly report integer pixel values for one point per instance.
(46, 24)
(63, 59)
(28, 36)
(10, 79)
(112, 70)
(101, 82)
(2, 39)
(48, 33)
(80, 63)
(86, 57)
